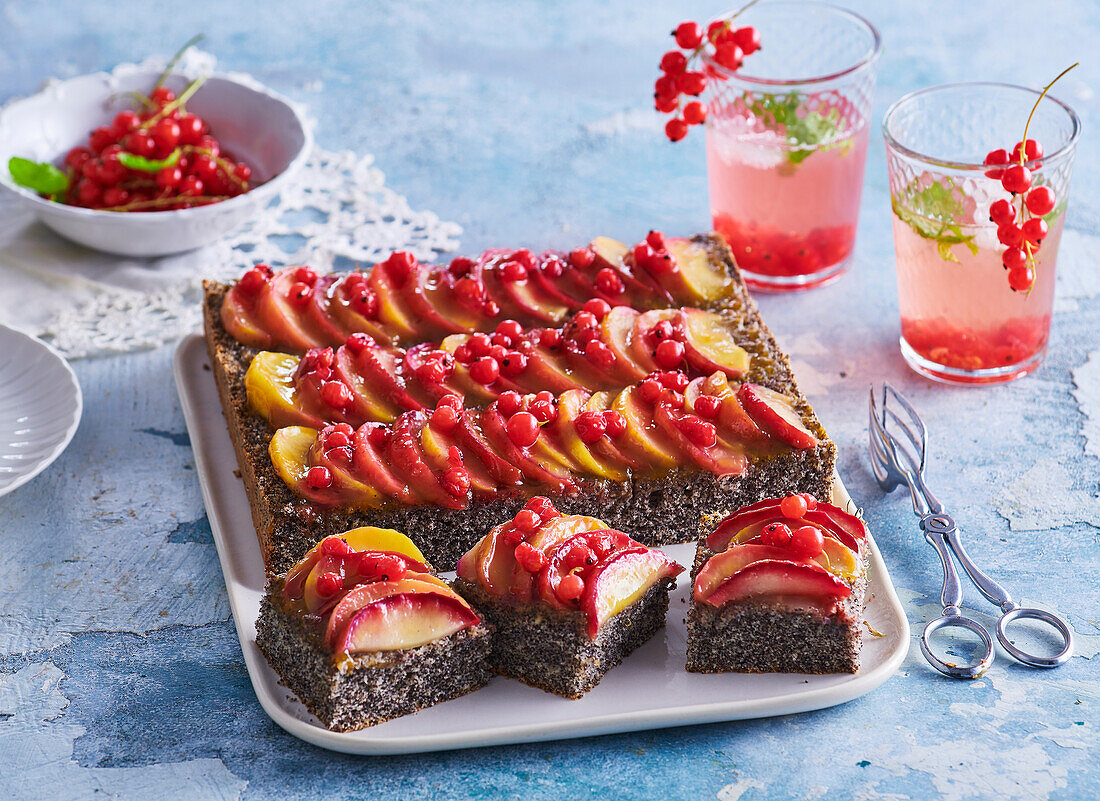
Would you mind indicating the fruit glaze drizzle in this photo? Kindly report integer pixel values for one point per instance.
(793, 552)
(569, 562)
(402, 300)
(369, 590)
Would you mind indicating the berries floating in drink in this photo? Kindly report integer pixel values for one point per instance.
(154, 157)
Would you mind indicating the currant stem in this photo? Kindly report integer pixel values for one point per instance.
(194, 40)
(698, 51)
(185, 95)
(1023, 146)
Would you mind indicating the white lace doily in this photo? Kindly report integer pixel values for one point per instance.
(338, 212)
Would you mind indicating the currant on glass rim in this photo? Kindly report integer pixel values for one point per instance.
(681, 80)
(1024, 236)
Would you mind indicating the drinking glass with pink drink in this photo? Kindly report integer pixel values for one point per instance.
(787, 141)
(975, 293)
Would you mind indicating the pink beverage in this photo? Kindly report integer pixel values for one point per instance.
(787, 137)
(961, 316)
(976, 247)
(788, 211)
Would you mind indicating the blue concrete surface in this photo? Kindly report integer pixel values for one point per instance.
(120, 673)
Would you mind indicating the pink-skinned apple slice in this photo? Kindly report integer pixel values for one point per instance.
(369, 462)
(380, 369)
(366, 594)
(240, 318)
(366, 402)
(538, 470)
(352, 489)
(620, 580)
(345, 315)
(847, 529)
(641, 344)
(695, 278)
(720, 459)
(415, 364)
(570, 406)
(393, 314)
(546, 369)
(782, 583)
(775, 414)
(560, 289)
(473, 439)
(437, 446)
(617, 332)
(495, 563)
(720, 567)
(421, 292)
(319, 312)
(639, 286)
(837, 557)
(643, 439)
(406, 461)
(562, 559)
(711, 344)
(287, 322)
(608, 447)
(404, 621)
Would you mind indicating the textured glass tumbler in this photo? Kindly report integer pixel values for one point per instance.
(787, 141)
(961, 321)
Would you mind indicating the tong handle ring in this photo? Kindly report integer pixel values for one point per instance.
(1031, 613)
(952, 620)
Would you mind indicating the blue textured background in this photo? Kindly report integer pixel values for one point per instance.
(120, 673)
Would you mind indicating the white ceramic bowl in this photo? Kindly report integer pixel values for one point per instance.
(40, 405)
(255, 124)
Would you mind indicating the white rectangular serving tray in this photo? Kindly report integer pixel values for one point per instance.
(651, 689)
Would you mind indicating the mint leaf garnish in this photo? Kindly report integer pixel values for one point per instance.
(133, 162)
(933, 213)
(41, 177)
(812, 131)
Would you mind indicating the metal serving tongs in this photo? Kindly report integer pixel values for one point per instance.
(900, 460)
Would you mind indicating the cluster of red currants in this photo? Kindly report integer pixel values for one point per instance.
(728, 47)
(1023, 237)
(156, 159)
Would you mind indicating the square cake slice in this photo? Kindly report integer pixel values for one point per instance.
(362, 632)
(568, 598)
(779, 587)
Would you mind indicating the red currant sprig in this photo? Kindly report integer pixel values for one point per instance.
(1024, 238)
(678, 80)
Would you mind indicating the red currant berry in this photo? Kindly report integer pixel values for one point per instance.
(666, 87)
(699, 432)
(544, 410)
(676, 129)
(513, 363)
(570, 588)
(509, 328)
(609, 283)
(445, 418)
(527, 520)
(319, 477)
(513, 271)
(530, 558)
(674, 380)
(729, 55)
(811, 501)
(669, 354)
(328, 584)
(994, 158)
(140, 143)
(1031, 150)
(707, 406)
(599, 354)
(89, 193)
(597, 307)
(549, 338)
(1014, 258)
(673, 62)
(691, 83)
(191, 186)
(1035, 231)
(114, 196)
(1010, 234)
(1040, 200)
(748, 39)
(191, 129)
(485, 370)
(1021, 279)
(582, 258)
(523, 429)
(1001, 212)
(656, 240)
(649, 390)
(777, 535)
(1017, 179)
(716, 29)
(509, 402)
(76, 157)
(666, 105)
(807, 540)
(300, 294)
(616, 423)
(125, 121)
(695, 113)
(491, 308)
(100, 138)
(253, 280)
(793, 506)
(162, 95)
(110, 171)
(169, 177)
(334, 546)
(688, 35)
(166, 135)
(337, 439)
(336, 394)
(497, 353)
(590, 426)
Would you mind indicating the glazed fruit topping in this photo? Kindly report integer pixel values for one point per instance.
(681, 79)
(1023, 237)
(567, 562)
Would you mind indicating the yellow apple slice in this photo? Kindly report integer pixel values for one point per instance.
(372, 538)
(571, 404)
(642, 434)
(624, 578)
(289, 451)
(701, 280)
(710, 344)
(269, 384)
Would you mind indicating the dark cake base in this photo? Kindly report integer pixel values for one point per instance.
(755, 637)
(549, 648)
(375, 687)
